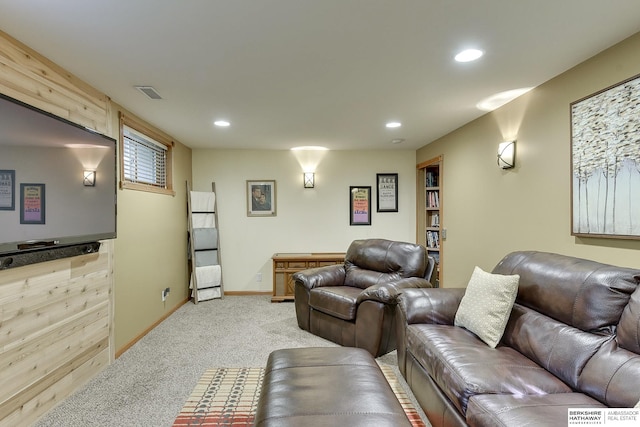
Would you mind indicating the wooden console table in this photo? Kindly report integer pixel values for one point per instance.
(285, 264)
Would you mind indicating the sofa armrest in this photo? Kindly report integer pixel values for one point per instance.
(387, 293)
(330, 275)
(430, 305)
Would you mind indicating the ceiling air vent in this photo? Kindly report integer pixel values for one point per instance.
(149, 91)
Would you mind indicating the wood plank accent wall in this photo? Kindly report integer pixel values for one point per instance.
(31, 78)
(56, 318)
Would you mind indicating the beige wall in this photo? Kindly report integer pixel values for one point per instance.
(150, 251)
(489, 212)
(308, 220)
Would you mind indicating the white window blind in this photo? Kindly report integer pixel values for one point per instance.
(144, 160)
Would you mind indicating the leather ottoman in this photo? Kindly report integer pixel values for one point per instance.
(328, 386)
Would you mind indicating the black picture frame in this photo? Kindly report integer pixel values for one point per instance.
(32, 203)
(7, 190)
(387, 192)
(359, 205)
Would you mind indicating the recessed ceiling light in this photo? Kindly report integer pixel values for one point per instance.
(469, 55)
(393, 124)
(221, 123)
(499, 99)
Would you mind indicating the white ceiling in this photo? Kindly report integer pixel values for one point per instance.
(314, 72)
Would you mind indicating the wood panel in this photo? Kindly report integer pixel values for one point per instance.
(32, 405)
(29, 77)
(56, 317)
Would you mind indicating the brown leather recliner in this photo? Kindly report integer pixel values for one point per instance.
(353, 304)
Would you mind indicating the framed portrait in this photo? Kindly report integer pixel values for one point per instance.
(32, 203)
(7, 190)
(261, 198)
(359, 205)
(387, 194)
(605, 162)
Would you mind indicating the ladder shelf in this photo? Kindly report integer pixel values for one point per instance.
(203, 240)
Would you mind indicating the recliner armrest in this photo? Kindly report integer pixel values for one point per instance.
(330, 275)
(430, 305)
(388, 293)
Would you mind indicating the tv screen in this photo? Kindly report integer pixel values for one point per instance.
(57, 181)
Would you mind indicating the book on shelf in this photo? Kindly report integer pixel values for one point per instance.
(435, 219)
(433, 239)
(433, 199)
(431, 179)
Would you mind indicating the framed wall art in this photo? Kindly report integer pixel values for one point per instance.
(387, 194)
(261, 198)
(605, 162)
(32, 204)
(359, 205)
(7, 190)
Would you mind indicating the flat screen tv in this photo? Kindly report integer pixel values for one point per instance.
(57, 181)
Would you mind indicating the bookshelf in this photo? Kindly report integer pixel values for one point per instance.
(429, 205)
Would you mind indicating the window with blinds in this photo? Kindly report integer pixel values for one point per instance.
(146, 157)
(144, 160)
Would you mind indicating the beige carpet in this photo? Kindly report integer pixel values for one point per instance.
(229, 397)
(148, 385)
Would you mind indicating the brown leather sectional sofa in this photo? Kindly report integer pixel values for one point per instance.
(572, 341)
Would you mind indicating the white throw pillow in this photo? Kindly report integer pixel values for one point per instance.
(486, 305)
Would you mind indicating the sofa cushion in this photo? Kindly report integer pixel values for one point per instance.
(370, 262)
(362, 278)
(629, 326)
(337, 301)
(559, 348)
(464, 366)
(486, 304)
(517, 410)
(579, 292)
(612, 376)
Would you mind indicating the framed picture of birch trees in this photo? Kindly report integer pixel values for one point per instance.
(605, 162)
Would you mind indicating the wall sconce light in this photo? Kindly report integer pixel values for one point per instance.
(309, 179)
(89, 178)
(506, 154)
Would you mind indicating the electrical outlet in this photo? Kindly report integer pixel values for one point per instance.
(259, 277)
(165, 292)
(164, 296)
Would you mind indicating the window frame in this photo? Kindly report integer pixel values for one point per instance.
(144, 129)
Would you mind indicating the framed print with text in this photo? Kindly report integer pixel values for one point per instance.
(359, 205)
(261, 198)
(387, 200)
(7, 190)
(32, 204)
